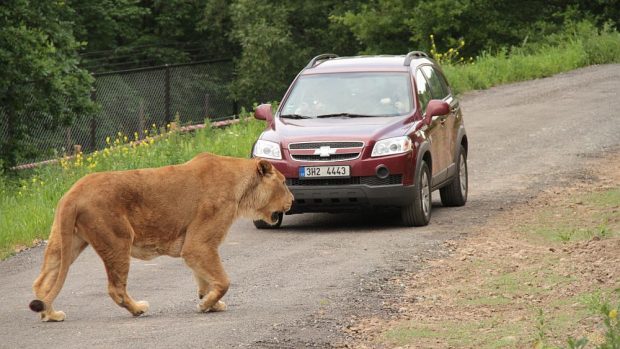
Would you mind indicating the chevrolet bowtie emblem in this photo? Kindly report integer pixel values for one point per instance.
(325, 152)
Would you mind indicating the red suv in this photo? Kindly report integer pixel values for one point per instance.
(366, 132)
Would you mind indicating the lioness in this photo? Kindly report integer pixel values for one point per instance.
(180, 211)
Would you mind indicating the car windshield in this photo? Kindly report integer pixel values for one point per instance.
(349, 95)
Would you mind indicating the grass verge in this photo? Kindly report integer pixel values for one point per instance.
(580, 45)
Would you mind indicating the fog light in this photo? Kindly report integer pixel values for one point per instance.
(382, 172)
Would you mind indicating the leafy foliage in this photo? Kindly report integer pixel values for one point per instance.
(270, 41)
(277, 40)
(42, 82)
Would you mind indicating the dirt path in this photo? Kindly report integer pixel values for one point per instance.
(530, 275)
(303, 285)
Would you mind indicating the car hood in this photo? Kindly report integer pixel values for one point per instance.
(286, 131)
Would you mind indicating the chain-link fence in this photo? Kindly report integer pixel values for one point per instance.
(132, 101)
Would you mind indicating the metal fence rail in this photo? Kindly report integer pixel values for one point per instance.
(134, 100)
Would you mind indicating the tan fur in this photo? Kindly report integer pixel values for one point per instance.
(179, 211)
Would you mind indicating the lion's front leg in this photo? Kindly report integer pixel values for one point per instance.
(203, 285)
(210, 275)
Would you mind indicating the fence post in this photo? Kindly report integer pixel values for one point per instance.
(235, 107)
(168, 117)
(205, 107)
(93, 123)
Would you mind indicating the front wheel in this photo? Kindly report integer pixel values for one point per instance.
(455, 193)
(418, 213)
(260, 224)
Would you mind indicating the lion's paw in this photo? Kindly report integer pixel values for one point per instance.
(56, 316)
(219, 306)
(141, 308)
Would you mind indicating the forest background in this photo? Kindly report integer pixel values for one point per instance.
(49, 49)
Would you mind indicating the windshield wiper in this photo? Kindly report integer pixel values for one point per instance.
(346, 115)
(296, 116)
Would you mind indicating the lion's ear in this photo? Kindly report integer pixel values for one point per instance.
(264, 167)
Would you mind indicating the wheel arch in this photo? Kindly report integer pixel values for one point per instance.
(424, 154)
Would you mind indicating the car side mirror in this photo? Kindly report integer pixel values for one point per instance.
(435, 107)
(263, 112)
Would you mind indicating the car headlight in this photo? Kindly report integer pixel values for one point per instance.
(267, 150)
(391, 146)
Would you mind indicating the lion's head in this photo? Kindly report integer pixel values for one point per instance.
(270, 195)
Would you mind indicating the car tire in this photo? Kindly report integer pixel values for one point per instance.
(455, 193)
(418, 213)
(260, 224)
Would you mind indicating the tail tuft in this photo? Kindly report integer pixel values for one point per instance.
(37, 306)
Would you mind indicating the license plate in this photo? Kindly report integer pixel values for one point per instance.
(324, 171)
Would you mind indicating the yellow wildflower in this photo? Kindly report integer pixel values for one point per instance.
(613, 314)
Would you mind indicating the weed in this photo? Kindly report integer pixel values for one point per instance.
(566, 235)
(602, 306)
(541, 327)
(602, 231)
(452, 56)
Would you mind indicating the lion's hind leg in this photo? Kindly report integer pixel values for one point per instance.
(114, 248)
(49, 273)
(117, 270)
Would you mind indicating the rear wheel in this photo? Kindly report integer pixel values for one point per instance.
(455, 193)
(418, 213)
(260, 224)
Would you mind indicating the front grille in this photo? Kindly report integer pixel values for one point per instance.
(333, 157)
(370, 180)
(317, 145)
(389, 180)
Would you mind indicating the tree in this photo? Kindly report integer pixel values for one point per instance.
(381, 27)
(41, 82)
(277, 40)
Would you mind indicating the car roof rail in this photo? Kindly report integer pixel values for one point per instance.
(414, 54)
(321, 57)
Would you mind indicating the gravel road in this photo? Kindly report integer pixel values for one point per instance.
(301, 285)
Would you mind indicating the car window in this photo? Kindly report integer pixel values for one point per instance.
(424, 91)
(367, 94)
(439, 88)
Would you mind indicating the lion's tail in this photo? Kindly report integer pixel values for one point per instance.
(64, 222)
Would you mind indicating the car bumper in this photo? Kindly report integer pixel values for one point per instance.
(341, 198)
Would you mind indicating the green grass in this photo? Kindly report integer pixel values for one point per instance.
(582, 46)
(457, 334)
(27, 203)
(589, 215)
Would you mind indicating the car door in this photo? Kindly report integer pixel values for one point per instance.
(439, 90)
(435, 132)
